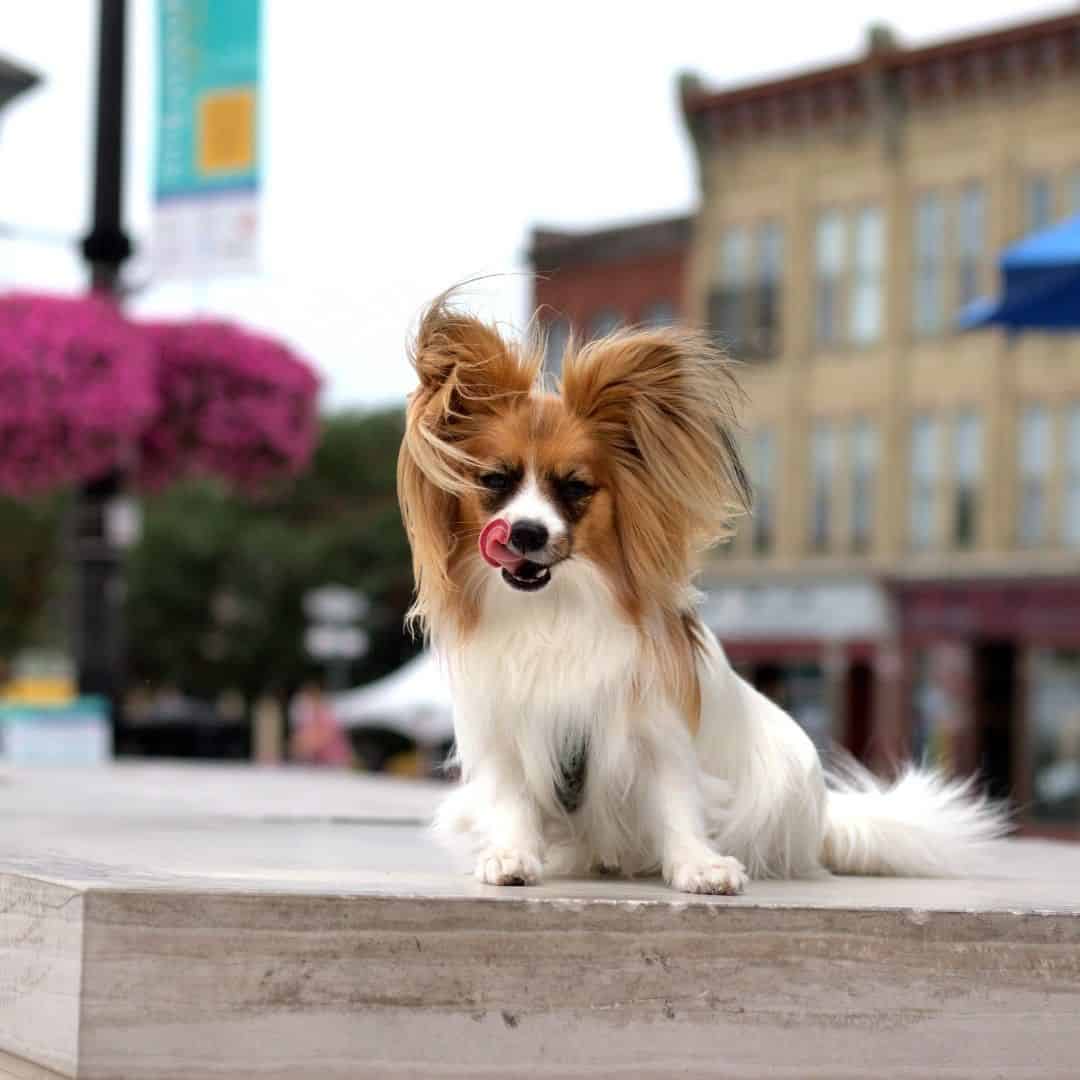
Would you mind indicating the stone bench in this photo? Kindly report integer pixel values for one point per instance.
(165, 921)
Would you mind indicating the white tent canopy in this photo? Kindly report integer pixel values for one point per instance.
(414, 701)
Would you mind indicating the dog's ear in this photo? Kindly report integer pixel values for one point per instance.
(467, 359)
(467, 371)
(664, 403)
(430, 514)
(452, 346)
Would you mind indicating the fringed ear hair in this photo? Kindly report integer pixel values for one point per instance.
(466, 370)
(664, 402)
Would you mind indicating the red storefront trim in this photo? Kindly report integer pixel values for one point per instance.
(1044, 612)
(793, 650)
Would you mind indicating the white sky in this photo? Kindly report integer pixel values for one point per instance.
(410, 145)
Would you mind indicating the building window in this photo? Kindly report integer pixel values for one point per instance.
(763, 476)
(770, 251)
(929, 305)
(924, 470)
(1072, 478)
(939, 676)
(868, 276)
(971, 231)
(1072, 193)
(1038, 202)
(822, 470)
(1034, 474)
(830, 257)
(1053, 690)
(604, 322)
(727, 305)
(864, 457)
(558, 336)
(661, 313)
(967, 474)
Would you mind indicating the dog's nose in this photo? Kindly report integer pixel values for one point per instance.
(528, 536)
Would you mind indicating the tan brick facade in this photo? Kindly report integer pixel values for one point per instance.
(910, 582)
(979, 656)
(998, 137)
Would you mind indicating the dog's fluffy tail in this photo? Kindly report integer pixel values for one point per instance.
(920, 825)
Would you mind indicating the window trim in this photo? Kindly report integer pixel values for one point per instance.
(729, 295)
(920, 486)
(763, 526)
(1044, 477)
(859, 542)
(1070, 509)
(974, 260)
(922, 328)
(1072, 191)
(1031, 177)
(859, 275)
(821, 527)
(963, 485)
(767, 290)
(741, 303)
(840, 281)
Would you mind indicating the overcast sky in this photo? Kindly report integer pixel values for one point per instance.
(410, 145)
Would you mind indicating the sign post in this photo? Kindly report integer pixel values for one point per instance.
(207, 159)
(332, 636)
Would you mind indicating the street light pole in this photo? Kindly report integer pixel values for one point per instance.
(98, 607)
(107, 246)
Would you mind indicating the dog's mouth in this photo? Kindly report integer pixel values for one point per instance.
(527, 576)
(518, 571)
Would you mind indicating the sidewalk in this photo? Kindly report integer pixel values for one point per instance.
(188, 922)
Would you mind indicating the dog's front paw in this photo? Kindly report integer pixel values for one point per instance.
(717, 874)
(505, 866)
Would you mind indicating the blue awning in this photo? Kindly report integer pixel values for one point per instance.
(1040, 284)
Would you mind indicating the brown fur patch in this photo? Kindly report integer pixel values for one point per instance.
(644, 417)
(468, 374)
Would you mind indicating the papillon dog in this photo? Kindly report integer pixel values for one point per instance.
(599, 726)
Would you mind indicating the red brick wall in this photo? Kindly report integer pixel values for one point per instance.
(629, 286)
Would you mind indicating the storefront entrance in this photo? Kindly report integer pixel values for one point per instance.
(993, 678)
(995, 706)
(859, 710)
(811, 647)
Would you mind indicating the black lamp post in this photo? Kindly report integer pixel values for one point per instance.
(107, 245)
(98, 594)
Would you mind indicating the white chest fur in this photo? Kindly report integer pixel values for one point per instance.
(543, 676)
(559, 653)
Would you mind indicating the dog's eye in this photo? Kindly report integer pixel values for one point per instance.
(574, 489)
(495, 481)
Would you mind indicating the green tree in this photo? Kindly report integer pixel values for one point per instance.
(215, 586)
(30, 537)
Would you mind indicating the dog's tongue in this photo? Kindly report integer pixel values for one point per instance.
(493, 547)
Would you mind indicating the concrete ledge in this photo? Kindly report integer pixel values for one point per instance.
(12, 1068)
(293, 925)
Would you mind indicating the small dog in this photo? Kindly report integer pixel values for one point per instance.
(599, 725)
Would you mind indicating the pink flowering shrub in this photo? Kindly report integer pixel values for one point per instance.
(233, 404)
(76, 390)
(84, 391)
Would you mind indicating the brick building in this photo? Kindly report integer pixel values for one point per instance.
(592, 282)
(909, 581)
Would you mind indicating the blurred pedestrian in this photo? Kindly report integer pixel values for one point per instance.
(317, 737)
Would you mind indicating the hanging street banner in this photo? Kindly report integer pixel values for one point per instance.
(206, 179)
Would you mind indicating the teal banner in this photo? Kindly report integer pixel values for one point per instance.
(208, 97)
